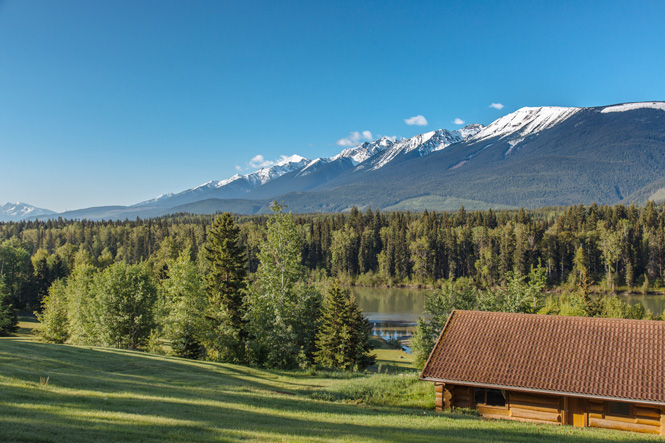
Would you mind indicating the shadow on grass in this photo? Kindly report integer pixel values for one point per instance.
(111, 395)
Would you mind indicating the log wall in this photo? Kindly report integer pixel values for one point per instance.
(552, 409)
(536, 407)
(646, 419)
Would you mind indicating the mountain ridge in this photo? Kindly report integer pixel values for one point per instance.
(535, 156)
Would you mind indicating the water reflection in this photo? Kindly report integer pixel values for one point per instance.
(654, 303)
(400, 331)
(393, 312)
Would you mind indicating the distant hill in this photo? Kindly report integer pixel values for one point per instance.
(19, 211)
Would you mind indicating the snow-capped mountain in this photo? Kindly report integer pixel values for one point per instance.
(525, 122)
(356, 155)
(233, 187)
(18, 211)
(366, 151)
(263, 175)
(368, 156)
(535, 156)
(423, 144)
(634, 106)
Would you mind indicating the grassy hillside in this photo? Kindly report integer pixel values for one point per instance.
(65, 393)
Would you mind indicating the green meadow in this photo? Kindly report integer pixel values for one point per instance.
(62, 393)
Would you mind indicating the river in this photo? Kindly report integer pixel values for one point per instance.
(393, 312)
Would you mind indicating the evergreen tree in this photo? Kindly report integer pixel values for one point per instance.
(8, 318)
(226, 285)
(343, 337)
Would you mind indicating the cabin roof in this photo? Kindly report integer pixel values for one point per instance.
(585, 357)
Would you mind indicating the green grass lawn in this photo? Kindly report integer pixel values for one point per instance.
(61, 393)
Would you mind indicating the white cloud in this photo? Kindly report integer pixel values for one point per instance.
(259, 162)
(418, 120)
(458, 121)
(496, 106)
(355, 138)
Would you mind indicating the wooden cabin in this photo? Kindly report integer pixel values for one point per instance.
(585, 372)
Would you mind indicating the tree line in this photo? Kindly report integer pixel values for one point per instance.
(242, 290)
(614, 246)
(211, 309)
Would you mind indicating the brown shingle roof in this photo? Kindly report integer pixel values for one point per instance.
(599, 357)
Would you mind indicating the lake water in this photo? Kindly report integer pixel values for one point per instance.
(394, 312)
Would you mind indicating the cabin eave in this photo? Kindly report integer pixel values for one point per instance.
(541, 391)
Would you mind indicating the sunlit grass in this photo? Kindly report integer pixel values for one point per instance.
(99, 394)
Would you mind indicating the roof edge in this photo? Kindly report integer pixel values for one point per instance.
(540, 391)
(436, 343)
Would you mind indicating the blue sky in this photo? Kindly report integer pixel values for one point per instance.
(115, 102)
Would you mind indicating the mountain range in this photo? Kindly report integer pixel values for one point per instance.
(533, 157)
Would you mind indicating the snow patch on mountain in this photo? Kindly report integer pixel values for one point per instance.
(365, 151)
(470, 130)
(18, 211)
(155, 200)
(263, 175)
(286, 165)
(526, 121)
(632, 106)
(426, 143)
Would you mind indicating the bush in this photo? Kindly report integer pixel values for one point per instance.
(382, 390)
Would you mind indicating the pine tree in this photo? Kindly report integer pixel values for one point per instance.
(343, 337)
(226, 290)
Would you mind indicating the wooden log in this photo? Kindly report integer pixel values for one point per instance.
(644, 411)
(622, 426)
(534, 398)
(648, 421)
(494, 410)
(595, 406)
(536, 415)
(536, 403)
(534, 408)
(447, 397)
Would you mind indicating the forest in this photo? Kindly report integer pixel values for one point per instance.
(492, 255)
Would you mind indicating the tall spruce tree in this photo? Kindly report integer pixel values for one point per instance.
(226, 286)
(343, 340)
